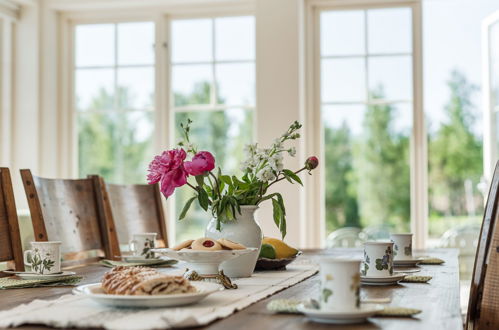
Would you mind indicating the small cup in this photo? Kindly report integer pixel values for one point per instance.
(141, 245)
(378, 259)
(402, 248)
(340, 284)
(44, 257)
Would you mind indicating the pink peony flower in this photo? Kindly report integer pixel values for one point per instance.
(168, 169)
(311, 163)
(202, 162)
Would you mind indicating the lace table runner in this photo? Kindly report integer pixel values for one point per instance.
(81, 312)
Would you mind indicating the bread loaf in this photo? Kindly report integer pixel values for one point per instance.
(141, 281)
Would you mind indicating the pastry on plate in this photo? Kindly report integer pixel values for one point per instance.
(183, 245)
(206, 244)
(140, 281)
(230, 245)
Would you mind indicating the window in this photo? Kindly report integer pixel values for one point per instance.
(366, 101)
(212, 83)
(114, 99)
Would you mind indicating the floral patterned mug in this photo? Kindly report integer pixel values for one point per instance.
(340, 284)
(141, 245)
(378, 259)
(44, 257)
(402, 248)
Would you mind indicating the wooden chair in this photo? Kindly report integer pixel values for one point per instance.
(136, 209)
(75, 212)
(10, 238)
(483, 306)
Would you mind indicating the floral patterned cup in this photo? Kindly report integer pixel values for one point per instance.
(378, 259)
(340, 284)
(44, 257)
(141, 245)
(402, 248)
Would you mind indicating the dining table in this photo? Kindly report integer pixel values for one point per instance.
(438, 299)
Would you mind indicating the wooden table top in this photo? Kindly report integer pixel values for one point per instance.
(439, 299)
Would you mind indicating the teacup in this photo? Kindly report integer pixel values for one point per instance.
(340, 284)
(378, 259)
(44, 257)
(141, 245)
(402, 248)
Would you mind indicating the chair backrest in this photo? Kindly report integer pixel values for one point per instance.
(483, 305)
(10, 238)
(75, 212)
(346, 237)
(137, 209)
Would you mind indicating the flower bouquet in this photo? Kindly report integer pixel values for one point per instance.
(224, 194)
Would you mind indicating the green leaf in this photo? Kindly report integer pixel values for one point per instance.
(292, 175)
(226, 179)
(186, 207)
(276, 212)
(203, 199)
(200, 180)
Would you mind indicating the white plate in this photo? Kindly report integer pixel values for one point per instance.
(133, 259)
(407, 263)
(340, 317)
(385, 280)
(95, 292)
(202, 261)
(35, 276)
(406, 270)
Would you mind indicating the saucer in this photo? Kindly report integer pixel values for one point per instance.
(407, 263)
(340, 317)
(382, 280)
(406, 270)
(140, 259)
(35, 276)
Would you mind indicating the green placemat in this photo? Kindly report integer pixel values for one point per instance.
(159, 263)
(289, 306)
(431, 261)
(417, 279)
(14, 283)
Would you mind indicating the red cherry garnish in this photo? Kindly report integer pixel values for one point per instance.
(208, 243)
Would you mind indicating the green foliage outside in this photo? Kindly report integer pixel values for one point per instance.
(368, 176)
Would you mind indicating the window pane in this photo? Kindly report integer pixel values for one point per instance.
(136, 88)
(137, 143)
(191, 84)
(389, 30)
(235, 38)
(98, 143)
(343, 80)
(342, 33)
(367, 168)
(192, 40)
(224, 133)
(390, 77)
(236, 84)
(94, 45)
(94, 89)
(136, 43)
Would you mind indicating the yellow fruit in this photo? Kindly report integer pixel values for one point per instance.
(282, 250)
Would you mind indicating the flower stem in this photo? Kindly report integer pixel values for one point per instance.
(283, 177)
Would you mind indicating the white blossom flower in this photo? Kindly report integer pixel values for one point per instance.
(292, 151)
(266, 174)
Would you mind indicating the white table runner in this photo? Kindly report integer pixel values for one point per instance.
(81, 312)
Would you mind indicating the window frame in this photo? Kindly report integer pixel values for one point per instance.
(164, 111)
(418, 145)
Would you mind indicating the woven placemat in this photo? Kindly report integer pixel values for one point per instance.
(16, 283)
(159, 263)
(417, 279)
(289, 306)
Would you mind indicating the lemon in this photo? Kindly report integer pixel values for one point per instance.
(267, 251)
(282, 250)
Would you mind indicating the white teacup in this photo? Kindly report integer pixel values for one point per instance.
(378, 259)
(141, 245)
(340, 284)
(402, 248)
(44, 257)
